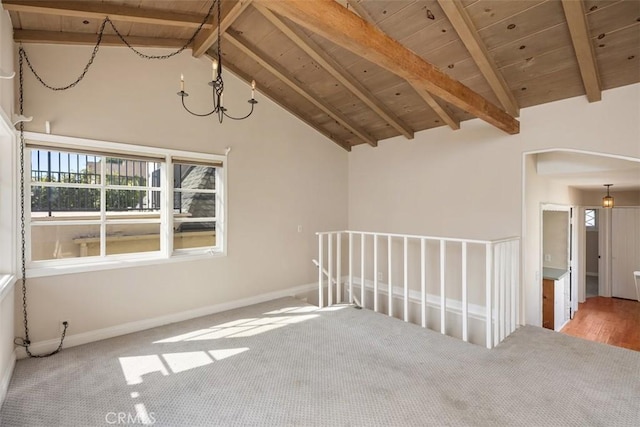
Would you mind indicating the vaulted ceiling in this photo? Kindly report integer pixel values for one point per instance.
(360, 71)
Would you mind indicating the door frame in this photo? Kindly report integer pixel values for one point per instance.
(574, 263)
(530, 271)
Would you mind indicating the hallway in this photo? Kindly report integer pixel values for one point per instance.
(612, 321)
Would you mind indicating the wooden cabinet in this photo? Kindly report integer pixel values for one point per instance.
(548, 304)
(555, 301)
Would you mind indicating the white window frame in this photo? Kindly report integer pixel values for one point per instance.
(166, 253)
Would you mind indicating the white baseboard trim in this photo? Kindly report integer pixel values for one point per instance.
(6, 377)
(127, 328)
(453, 305)
(592, 274)
(563, 325)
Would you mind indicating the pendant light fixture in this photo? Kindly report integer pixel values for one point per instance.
(607, 201)
(217, 85)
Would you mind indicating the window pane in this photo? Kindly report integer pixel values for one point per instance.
(132, 238)
(194, 205)
(64, 241)
(132, 172)
(56, 166)
(63, 201)
(132, 200)
(194, 235)
(194, 177)
(590, 217)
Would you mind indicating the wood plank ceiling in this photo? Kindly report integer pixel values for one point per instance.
(360, 71)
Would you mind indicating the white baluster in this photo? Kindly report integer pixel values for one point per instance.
(375, 273)
(390, 310)
(350, 268)
(465, 303)
(320, 271)
(339, 268)
(443, 289)
(423, 283)
(362, 271)
(330, 273)
(406, 279)
(488, 270)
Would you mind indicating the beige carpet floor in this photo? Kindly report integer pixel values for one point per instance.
(286, 363)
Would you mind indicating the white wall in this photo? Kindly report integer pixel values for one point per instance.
(7, 357)
(620, 198)
(465, 183)
(7, 229)
(6, 63)
(468, 183)
(555, 239)
(281, 174)
(7, 254)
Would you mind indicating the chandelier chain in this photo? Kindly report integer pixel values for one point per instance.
(182, 48)
(26, 342)
(23, 53)
(219, 34)
(23, 57)
(124, 40)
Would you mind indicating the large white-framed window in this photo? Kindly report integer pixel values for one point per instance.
(95, 204)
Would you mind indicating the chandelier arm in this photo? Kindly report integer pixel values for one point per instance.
(240, 118)
(217, 83)
(196, 114)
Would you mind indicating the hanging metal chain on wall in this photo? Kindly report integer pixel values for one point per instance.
(26, 342)
(22, 57)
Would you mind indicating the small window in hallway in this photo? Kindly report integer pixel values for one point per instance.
(590, 218)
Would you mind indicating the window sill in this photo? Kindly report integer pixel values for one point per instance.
(114, 264)
(6, 284)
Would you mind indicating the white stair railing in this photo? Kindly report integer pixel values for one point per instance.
(495, 293)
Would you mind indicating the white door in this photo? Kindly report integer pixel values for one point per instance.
(625, 251)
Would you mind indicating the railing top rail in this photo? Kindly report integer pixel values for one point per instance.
(416, 236)
(506, 239)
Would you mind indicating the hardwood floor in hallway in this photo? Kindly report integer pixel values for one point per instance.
(611, 321)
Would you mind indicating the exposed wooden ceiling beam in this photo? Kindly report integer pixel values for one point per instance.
(274, 68)
(346, 29)
(579, 29)
(47, 37)
(206, 39)
(459, 18)
(444, 115)
(356, 6)
(99, 10)
(337, 71)
(278, 100)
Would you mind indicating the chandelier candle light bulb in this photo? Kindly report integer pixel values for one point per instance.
(253, 89)
(181, 82)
